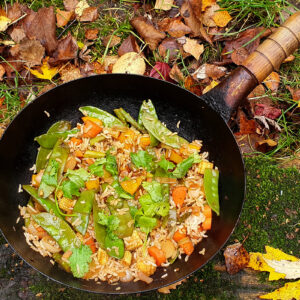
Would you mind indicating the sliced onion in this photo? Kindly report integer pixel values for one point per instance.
(46, 241)
(128, 277)
(184, 241)
(144, 277)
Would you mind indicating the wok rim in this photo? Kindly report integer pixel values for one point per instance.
(120, 292)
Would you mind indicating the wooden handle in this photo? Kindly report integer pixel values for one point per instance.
(275, 49)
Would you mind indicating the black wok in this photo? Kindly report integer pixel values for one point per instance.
(198, 121)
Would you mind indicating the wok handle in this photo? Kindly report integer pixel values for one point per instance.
(275, 49)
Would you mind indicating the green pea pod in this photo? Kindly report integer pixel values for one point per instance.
(149, 108)
(131, 120)
(100, 230)
(43, 153)
(211, 182)
(54, 168)
(59, 229)
(161, 132)
(107, 119)
(126, 224)
(82, 210)
(47, 204)
(120, 116)
(93, 154)
(97, 139)
(58, 258)
(115, 246)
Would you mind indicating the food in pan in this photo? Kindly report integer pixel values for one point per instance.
(113, 199)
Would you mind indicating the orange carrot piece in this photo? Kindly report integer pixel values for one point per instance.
(206, 225)
(178, 236)
(196, 210)
(145, 141)
(91, 129)
(75, 141)
(89, 161)
(78, 153)
(207, 211)
(90, 242)
(179, 194)
(187, 247)
(158, 255)
(92, 119)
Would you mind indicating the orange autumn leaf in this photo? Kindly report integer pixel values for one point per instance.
(207, 3)
(63, 17)
(272, 81)
(221, 18)
(246, 126)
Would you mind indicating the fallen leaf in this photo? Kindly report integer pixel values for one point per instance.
(210, 86)
(87, 69)
(247, 142)
(31, 52)
(192, 47)
(266, 122)
(70, 4)
(289, 291)
(207, 17)
(91, 34)
(46, 72)
(63, 17)
(67, 49)
(69, 73)
(129, 45)
(161, 70)
(164, 4)
(175, 27)
(289, 59)
(176, 74)
(90, 14)
(109, 60)
(11, 66)
(16, 11)
(169, 47)
(46, 88)
(192, 85)
(207, 3)
(236, 258)
(221, 18)
(147, 31)
(166, 289)
(246, 126)
(4, 22)
(291, 269)
(15, 50)
(17, 34)
(80, 7)
(84, 53)
(45, 33)
(211, 71)
(265, 146)
(196, 7)
(239, 55)
(130, 63)
(267, 111)
(111, 41)
(272, 81)
(2, 72)
(190, 19)
(295, 94)
(98, 68)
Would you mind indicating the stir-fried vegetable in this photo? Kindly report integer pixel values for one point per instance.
(211, 182)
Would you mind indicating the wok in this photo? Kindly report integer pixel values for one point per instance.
(198, 121)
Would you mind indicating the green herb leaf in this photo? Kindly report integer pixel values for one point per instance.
(165, 164)
(81, 173)
(70, 189)
(146, 224)
(154, 189)
(110, 221)
(97, 167)
(79, 260)
(183, 167)
(151, 208)
(111, 164)
(50, 177)
(142, 159)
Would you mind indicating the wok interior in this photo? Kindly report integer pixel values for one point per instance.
(18, 152)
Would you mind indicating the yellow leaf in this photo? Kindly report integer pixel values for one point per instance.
(276, 254)
(207, 3)
(210, 86)
(221, 18)
(47, 72)
(164, 4)
(290, 290)
(4, 22)
(80, 44)
(191, 46)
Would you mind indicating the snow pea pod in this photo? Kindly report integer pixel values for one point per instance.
(120, 116)
(54, 168)
(59, 230)
(149, 108)
(161, 132)
(43, 153)
(128, 118)
(126, 224)
(211, 182)
(82, 210)
(107, 119)
(58, 258)
(100, 230)
(48, 140)
(47, 204)
(114, 246)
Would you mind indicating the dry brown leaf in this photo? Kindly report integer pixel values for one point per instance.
(246, 126)
(91, 34)
(207, 3)
(98, 68)
(111, 41)
(2, 72)
(190, 19)
(175, 27)
(164, 4)
(67, 49)
(211, 71)
(207, 18)
(40, 25)
(210, 86)
(90, 14)
(109, 60)
(221, 18)
(295, 94)
(130, 63)
(247, 142)
(272, 81)
(16, 11)
(166, 289)
(80, 7)
(70, 4)
(147, 31)
(170, 47)
(63, 17)
(17, 34)
(192, 47)
(176, 74)
(193, 85)
(239, 55)
(70, 72)
(129, 45)
(236, 258)
(31, 52)
(265, 145)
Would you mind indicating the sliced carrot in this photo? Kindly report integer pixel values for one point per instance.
(206, 225)
(207, 211)
(127, 137)
(179, 194)
(78, 153)
(174, 157)
(92, 119)
(90, 242)
(75, 141)
(196, 210)
(188, 247)
(178, 235)
(145, 141)
(158, 255)
(89, 161)
(91, 129)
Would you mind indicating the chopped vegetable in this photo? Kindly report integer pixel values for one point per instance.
(211, 182)
(165, 164)
(91, 129)
(142, 159)
(206, 225)
(187, 247)
(131, 186)
(128, 118)
(158, 255)
(183, 167)
(111, 164)
(79, 260)
(89, 241)
(178, 235)
(97, 167)
(175, 157)
(179, 194)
